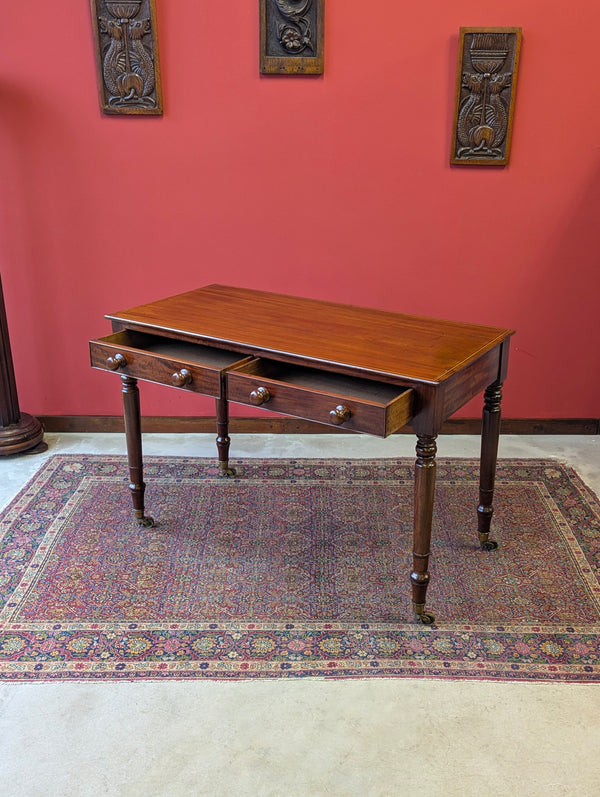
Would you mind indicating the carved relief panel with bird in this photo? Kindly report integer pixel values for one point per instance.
(127, 56)
(485, 93)
(291, 36)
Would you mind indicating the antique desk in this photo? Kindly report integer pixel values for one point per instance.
(364, 370)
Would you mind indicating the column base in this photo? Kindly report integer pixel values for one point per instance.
(25, 435)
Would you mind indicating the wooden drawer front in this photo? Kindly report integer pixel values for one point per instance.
(361, 405)
(190, 366)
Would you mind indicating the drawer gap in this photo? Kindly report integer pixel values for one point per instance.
(323, 381)
(174, 349)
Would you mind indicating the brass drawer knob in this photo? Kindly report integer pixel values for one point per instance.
(182, 378)
(339, 415)
(259, 396)
(116, 362)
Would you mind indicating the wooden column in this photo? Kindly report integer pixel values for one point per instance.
(18, 431)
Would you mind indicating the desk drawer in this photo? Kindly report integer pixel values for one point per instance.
(189, 366)
(361, 405)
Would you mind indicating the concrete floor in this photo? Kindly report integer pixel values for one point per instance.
(304, 737)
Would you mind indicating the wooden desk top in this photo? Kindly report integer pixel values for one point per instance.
(412, 348)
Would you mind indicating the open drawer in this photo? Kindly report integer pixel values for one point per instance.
(177, 363)
(362, 405)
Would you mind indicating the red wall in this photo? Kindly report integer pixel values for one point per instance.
(335, 187)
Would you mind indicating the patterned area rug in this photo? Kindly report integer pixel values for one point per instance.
(296, 568)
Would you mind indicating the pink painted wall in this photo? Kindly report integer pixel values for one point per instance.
(335, 187)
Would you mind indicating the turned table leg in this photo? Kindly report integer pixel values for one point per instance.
(490, 431)
(133, 433)
(423, 516)
(223, 439)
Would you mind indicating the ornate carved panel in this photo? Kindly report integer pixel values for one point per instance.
(291, 37)
(488, 62)
(127, 56)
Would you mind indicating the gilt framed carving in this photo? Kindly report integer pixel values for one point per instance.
(486, 81)
(127, 60)
(291, 37)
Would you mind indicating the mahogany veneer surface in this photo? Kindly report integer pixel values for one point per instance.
(308, 330)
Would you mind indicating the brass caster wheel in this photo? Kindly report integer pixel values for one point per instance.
(489, 545)
(425, 617)
(228, 473)
(147, 522)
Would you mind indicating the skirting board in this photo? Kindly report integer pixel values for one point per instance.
(286, 425)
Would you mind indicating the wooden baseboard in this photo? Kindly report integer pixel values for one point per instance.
(286, 425)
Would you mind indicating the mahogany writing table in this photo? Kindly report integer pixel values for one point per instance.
(365, 370)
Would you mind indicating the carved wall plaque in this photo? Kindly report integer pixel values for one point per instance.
(127, 56)
(291, 37)
(488, 62)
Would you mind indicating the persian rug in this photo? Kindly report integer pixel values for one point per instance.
(296, 568)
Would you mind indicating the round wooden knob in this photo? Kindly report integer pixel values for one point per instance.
(259, 396)
(182, 378)
(116, 362)
(339, 415)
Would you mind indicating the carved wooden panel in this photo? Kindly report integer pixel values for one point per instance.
(291, 37)
(127, 56)
(488, 62)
